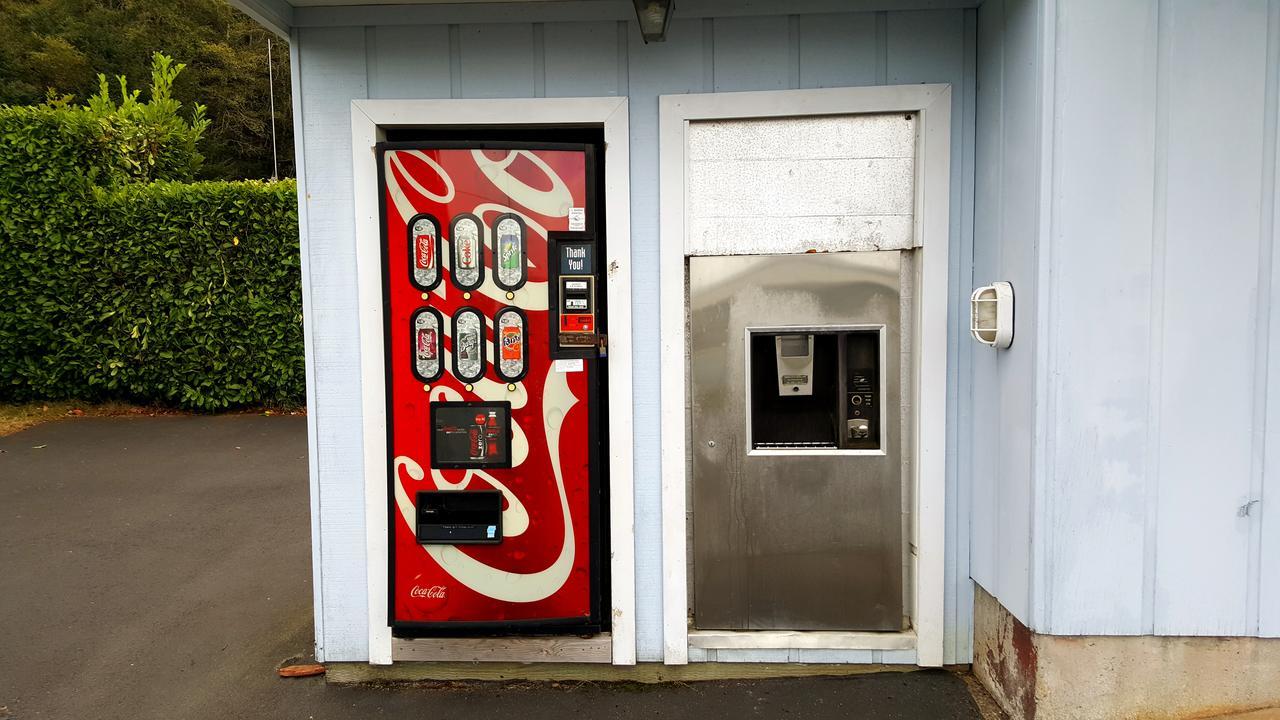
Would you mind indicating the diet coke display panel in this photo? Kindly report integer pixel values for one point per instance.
(497, 477)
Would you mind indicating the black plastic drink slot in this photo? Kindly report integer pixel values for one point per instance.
(459, 517)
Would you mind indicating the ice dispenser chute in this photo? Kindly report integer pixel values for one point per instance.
(815, 389)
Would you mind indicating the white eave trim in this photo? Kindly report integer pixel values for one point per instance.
(274, 15)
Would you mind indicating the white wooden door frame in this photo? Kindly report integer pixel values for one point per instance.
(929, 386)
(369, 119)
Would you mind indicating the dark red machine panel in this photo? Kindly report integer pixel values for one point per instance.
(463, 212)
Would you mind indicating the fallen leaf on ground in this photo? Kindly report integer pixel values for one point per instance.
(301, 670)
(39, 447)
(75, 411)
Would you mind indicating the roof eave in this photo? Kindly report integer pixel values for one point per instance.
(274, 15)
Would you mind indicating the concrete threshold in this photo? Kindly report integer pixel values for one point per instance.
(648, 673)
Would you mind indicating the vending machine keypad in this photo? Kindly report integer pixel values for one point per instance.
(574, 298)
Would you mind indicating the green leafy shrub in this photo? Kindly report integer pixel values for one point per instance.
(165, 292)
(150, 140)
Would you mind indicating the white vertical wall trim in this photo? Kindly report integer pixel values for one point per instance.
(1268, 518)
(373, 406)
(1042, 472)
(308, 348)
(368, 116)
(1263, 330)
(930, 402)
(622, 515)
(671, 164)
(933, 103)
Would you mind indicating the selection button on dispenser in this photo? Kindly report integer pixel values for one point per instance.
(573, 290)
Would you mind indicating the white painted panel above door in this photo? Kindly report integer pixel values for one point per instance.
(792, 185)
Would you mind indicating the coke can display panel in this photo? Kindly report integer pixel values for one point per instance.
(509, 330)
(539, 444)
(426, 325)
(424, 249)
(509, 252)
(466, 239)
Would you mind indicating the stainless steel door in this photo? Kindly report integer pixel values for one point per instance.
(792, 539)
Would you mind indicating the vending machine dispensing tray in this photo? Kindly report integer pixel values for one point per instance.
(459, 517)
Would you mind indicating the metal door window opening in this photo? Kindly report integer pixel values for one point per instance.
(835, 390)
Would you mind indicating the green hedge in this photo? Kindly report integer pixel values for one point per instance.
(184, 294)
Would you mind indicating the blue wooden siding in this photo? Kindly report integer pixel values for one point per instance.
(600, 57)
(1127, 185)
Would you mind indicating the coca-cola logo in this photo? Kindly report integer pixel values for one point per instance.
(426, 251)
(468, 252)
(434, 592)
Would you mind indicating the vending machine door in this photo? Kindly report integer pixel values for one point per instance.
(493, 447)
(797, 407)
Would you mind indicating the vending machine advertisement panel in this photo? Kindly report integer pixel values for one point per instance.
(495, 374)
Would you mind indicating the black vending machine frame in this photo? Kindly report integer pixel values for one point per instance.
(597, 401)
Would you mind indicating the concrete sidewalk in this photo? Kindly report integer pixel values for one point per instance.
(161, 568)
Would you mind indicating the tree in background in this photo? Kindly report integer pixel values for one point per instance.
(54, 48)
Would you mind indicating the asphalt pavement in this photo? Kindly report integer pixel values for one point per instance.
(161, 568)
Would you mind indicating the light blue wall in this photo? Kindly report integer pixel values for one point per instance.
(1161, 345)
(1003, 427)
(336, 62)
(1127, 157)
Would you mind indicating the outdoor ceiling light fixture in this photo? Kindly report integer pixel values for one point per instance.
(654, 16)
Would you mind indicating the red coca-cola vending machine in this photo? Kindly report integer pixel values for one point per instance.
(494, 310)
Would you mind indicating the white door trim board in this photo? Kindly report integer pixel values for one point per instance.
(929, 384)
(368, 120)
